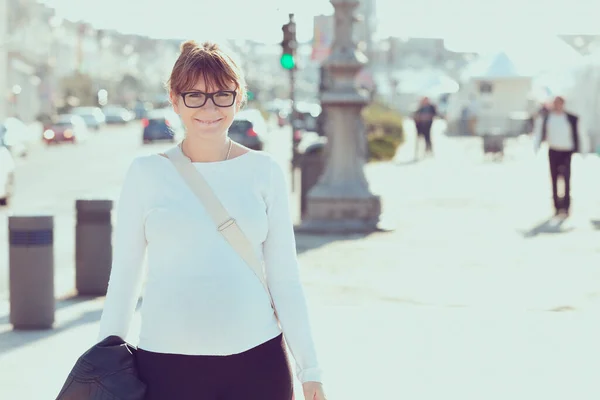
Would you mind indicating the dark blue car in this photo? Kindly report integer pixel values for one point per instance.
(160, 125)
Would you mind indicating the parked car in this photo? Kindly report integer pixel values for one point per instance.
(66, 128)
(16, 136)
(7, 173)
(117, 115)
(93, 116)
(161, 124)
(307, 115)
(249, 129)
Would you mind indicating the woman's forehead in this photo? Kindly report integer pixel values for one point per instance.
(211, 84)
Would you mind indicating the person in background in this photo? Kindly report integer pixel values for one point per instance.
(423, 118)
(562, 131)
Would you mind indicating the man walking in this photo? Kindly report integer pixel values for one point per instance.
(561, 131)
(423, 118)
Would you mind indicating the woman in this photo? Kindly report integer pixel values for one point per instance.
(208, 329)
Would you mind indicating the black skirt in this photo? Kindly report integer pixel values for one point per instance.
(261, 373)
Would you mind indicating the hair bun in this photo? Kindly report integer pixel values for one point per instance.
(188, 46)
(210, 46)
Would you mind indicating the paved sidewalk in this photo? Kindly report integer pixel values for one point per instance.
(477, 294)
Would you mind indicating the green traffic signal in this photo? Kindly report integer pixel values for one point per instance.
(287, 61)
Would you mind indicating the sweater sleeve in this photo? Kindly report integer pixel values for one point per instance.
(283, 277)
(129, 249)
(537, 133)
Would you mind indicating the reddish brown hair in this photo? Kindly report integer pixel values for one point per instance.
(207, 61)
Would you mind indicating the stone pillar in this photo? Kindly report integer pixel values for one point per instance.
(341, 202)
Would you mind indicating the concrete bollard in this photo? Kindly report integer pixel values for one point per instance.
(31, 270)
(93, 247)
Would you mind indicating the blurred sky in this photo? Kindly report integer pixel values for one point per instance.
(467, 25)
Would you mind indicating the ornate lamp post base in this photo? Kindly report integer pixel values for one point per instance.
(341, 201)
(342, 215)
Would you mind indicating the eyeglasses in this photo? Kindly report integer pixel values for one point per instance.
(197, 99)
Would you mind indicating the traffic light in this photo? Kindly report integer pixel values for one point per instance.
(287, 61)
(289, 45)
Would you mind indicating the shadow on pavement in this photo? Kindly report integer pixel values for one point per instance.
(11, 339)
(14, 339)
(307, 242)
(408, 162)
(551, 225)
(61, 303)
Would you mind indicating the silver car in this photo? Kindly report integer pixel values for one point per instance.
(93, 116)
(16, 136)
(7, 173)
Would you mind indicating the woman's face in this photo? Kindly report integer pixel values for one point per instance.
(214, 117)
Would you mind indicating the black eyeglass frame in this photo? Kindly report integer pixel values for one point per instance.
(208, 96)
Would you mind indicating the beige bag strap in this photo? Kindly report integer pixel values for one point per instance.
(224, 222)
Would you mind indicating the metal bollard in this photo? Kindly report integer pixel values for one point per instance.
(312, 165)
(93, 247)
(31, 269)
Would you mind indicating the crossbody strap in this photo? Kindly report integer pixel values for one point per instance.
(226, 225)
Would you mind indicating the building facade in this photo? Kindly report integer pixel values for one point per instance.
(43, 57)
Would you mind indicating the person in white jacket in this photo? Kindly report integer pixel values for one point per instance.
(564, 134)
(208, 329)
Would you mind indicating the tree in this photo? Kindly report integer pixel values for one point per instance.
(78, 89)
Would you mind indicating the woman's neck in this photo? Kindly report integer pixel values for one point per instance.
(202, 150)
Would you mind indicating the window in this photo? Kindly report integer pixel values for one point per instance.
(485, 87)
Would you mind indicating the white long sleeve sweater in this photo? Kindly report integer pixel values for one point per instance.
(200, 297)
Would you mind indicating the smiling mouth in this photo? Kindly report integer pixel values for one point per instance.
(208, 122)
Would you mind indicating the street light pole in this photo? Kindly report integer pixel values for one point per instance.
(288, 62)
(292, 120)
